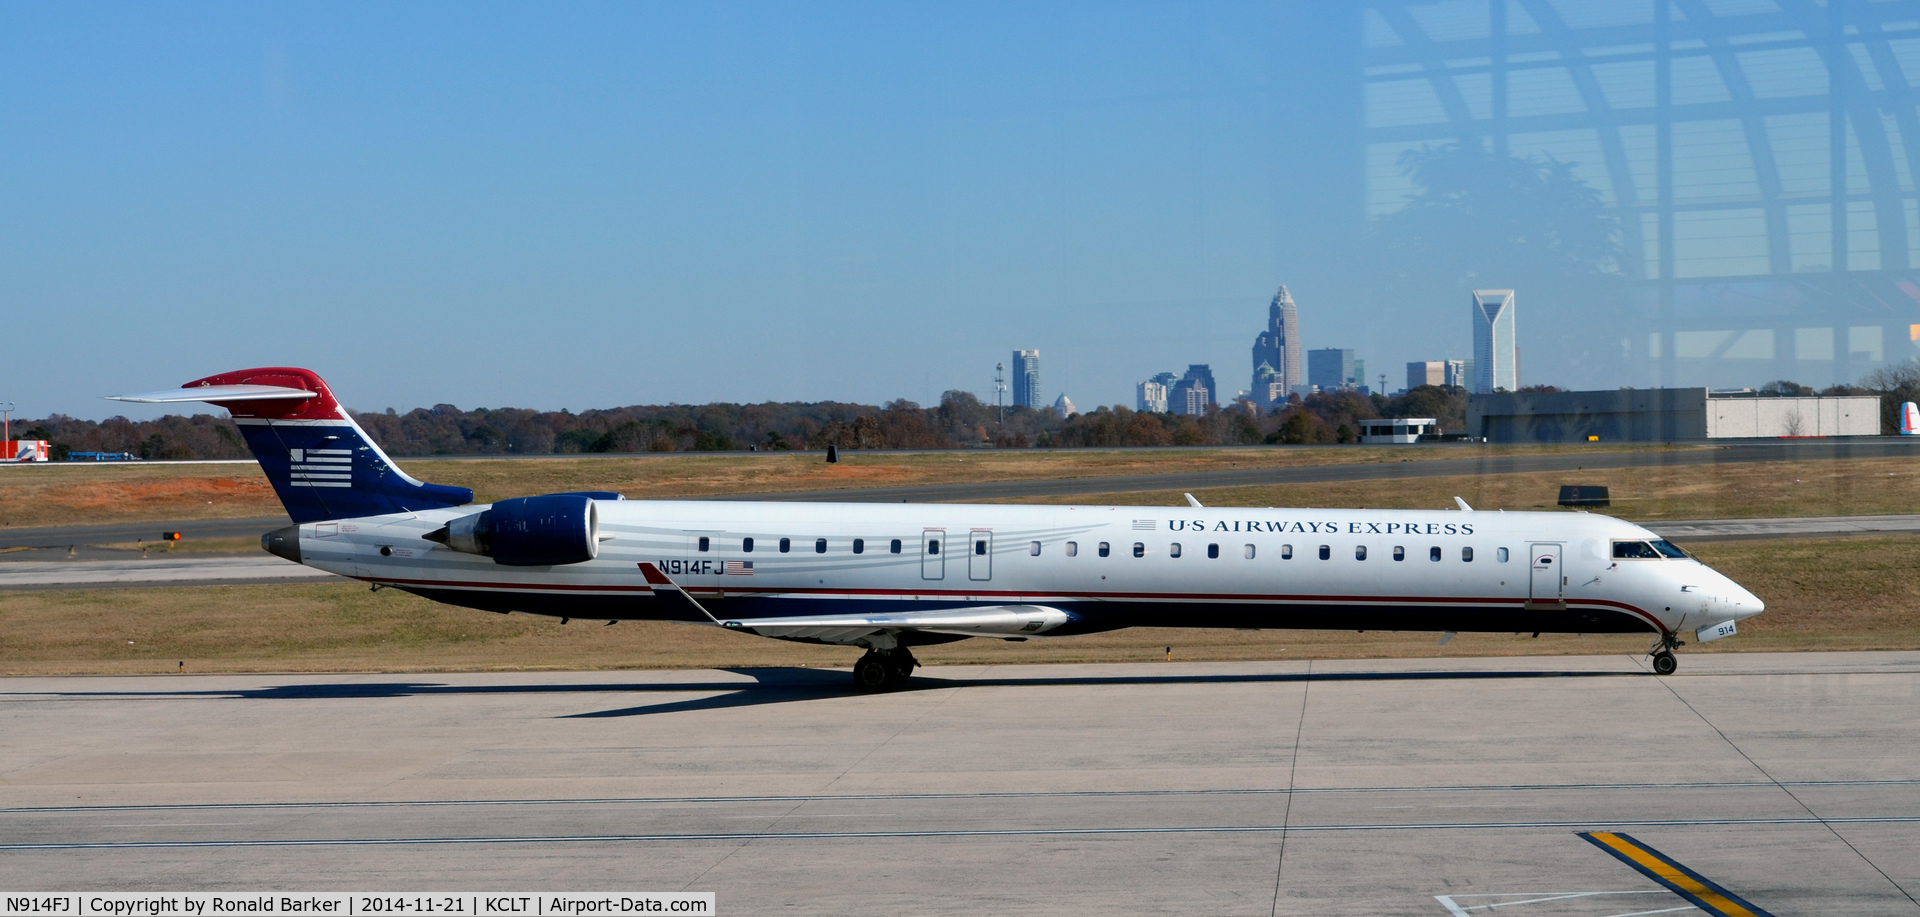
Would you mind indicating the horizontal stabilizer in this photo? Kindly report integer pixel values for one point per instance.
(218, 393)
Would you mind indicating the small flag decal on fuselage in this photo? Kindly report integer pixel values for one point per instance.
(1145, 525)
(739, 568)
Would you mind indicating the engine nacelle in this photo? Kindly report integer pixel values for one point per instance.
(541, 531)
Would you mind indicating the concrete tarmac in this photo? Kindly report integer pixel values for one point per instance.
(1372, 787)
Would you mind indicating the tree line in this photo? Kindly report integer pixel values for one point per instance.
(959, 421)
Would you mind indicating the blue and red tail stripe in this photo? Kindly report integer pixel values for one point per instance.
(320, 463)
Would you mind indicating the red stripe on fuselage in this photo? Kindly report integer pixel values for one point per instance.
(1194, 597)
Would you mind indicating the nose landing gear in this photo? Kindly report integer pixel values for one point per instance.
(883, 670)
(1664, 662)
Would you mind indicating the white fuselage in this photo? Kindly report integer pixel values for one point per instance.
(1105, 566)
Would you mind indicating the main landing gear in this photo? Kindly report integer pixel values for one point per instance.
(1664, 662)
(880, 670)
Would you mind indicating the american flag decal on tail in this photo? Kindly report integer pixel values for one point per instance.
(739, 568)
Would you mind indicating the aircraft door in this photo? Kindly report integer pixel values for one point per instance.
(1548, 579)
(980, 554)
(933, 554)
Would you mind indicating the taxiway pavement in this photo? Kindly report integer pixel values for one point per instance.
(1373, 787)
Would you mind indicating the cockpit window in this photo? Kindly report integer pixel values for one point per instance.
(1634, 550)
(1668, 549)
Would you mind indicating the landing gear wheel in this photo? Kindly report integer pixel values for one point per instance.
(903, 665)
(873, 672)
(1664, 663)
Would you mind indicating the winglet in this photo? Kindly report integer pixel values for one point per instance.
(670, 592)
(1193, 503)
(1463, 505)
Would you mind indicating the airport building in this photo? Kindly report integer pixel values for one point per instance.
(1665, 415)
(1398, 429)
(1026, 379)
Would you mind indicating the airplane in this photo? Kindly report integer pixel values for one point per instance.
(886, 578)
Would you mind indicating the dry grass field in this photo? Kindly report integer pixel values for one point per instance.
(1824, 594)
(83, 494)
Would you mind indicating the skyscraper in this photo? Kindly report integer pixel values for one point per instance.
(1330, 368)
(1026, 379)
(1268, 390)
(1279, 345)
(1152, 395)
(1493, 345)
(1194, 392)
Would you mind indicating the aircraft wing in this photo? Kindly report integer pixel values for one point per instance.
(977, 621)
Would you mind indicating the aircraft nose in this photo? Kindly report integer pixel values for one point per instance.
(1744, 604)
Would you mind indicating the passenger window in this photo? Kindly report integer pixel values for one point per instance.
(1106, 550)
(1326, 551)
(1213, 551)
(1139, 550)
(1399, 553)
(980, 546)
(1286, 552)
(1249, 552)
(1634, 550)
(746, 545)
(1073, 549)
(1466, 554)
(1033, 548)
(859, 546)
(1433, 554)
(933, 546)
(1173, 550)
(1359, 552)
(703, 544)
(894, 546)
(1501, 555)
(819, 546)
(786, 544)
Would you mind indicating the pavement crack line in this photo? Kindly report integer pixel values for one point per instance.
(777, 819)
(1667, 684)
(1293, 769)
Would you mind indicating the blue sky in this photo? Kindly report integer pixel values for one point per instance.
(589, 205)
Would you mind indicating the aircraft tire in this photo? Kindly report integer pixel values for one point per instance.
(1664, 663)
(873, 673)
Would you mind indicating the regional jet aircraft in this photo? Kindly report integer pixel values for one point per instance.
(890, 577)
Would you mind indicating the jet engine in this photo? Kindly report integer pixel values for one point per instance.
(543, 531)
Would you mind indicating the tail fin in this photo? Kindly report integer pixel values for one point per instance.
(319, 461)
(1909, 419)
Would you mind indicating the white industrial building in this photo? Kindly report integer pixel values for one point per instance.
(1398, 429)
(1744, 414)
(1666, 415)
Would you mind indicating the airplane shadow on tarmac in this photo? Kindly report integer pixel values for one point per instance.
(788, 685)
